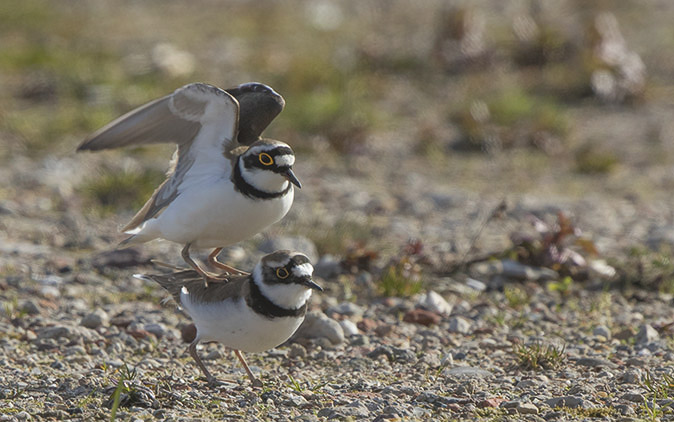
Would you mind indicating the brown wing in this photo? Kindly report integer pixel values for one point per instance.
(258, 106)
(233, 286)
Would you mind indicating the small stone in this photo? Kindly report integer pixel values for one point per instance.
(527, 409)
(646, 335)
(602, 330)
(157, 330)
(360, 340)
(635, 362)
(120, 258)
(30, 307)
(434, 302)
(422, 316)
(567, 401)
(624, 334)
(466, 372)
(213, 355)
(366, 325)
(50, 292)
(384, 330)
(297, 351)
(349, 309)
(596, 363)
(492, 402)
(55, 332)
(600, 269)
(348, 327)
(476, 284)
(317, 324)
(631, 377)
(634, 397)
(95, 319)
(138, 333)
(114, 363)
(459, 325)
(327, 267)
(23, 416)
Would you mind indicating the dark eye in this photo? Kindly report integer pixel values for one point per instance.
(282, 273)
(265, 159)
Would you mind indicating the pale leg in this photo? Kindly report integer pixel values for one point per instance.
(213, 260)
(203, 273)
(256, 382)
(193, 352)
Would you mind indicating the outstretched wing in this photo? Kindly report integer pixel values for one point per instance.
(202, 119)
(258, 106)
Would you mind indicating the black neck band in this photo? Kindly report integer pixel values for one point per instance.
(263, 306)
(251, 191)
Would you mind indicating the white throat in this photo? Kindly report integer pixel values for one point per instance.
(264, 180)
(287, 296)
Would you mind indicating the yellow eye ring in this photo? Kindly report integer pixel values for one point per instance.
(265, 159)
(282, 273)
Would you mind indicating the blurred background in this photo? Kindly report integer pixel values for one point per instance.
(570, 98)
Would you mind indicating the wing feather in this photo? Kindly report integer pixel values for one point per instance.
(202, 119)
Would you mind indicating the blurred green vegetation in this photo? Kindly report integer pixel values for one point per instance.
(456, 85)
(347, 70)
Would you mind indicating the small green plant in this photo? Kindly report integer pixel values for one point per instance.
(562, 286)
(124, 386)
(537, 356)
(590, 159)
(295, 385)
(591, 412)
(657, 389)
(400, 279)
(644, 268)
(516, 296)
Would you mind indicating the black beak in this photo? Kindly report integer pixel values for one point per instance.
(310, 284)
(290, 176)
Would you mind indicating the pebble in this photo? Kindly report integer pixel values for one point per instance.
(477, 285)
(596, 363)
(434, 302)
(348, 327)
(602, 330)
(467, 372)
(327, 267)
(317, 324)
(156, 329)
(513, 270)
(460, 325)
(527, 409)
(120, 258)
(349, 309)
(30, 307)
(95, 319)
(422, 317)
(297, 351)
(646, 334)
(393, 354)
(23, 416)
(567, 401)
(633, 397)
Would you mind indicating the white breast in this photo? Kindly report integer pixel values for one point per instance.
(237, 326)
(213, 214)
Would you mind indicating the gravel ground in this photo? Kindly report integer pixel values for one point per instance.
(492, 339)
